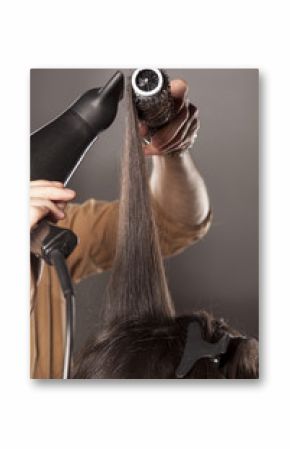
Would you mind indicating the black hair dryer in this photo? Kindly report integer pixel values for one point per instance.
(57, 149)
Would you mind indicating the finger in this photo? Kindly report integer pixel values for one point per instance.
(48, 205)
(178, 88)
(186, 135)
(190, 126)
(143, 129)
(52, 193)
(61, 204)
(40, 208)
(180, 126)
(45, 183)
(187, 142)
(179, 103)
(180, 139)
(191, 136)
(181, 144)
(167, 133)
(39, 213)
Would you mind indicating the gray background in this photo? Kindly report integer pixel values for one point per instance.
(220, 273)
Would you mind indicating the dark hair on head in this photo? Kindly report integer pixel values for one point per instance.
(138, 349)
(141, 337)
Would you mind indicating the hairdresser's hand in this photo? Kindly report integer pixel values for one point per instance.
(48, 198)
(178, 134)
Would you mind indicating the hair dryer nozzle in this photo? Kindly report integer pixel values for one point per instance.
(58, 147)
(98, 107)
(114, 87)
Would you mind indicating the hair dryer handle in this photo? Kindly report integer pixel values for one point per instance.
(46, 238)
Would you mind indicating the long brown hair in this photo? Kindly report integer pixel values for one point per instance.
(141, 337)
(138, 287)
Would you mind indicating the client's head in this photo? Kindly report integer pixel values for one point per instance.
(137, 349)
(141, 337)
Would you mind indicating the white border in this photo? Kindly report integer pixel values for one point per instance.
(169, 415)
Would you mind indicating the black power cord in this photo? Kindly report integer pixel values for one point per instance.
(59, 263)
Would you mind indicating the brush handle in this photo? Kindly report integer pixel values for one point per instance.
(153, 100)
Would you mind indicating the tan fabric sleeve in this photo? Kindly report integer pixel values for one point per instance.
(95, 223)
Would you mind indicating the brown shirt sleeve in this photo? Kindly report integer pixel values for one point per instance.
(95, 223)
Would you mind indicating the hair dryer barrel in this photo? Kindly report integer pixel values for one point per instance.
(57, 148)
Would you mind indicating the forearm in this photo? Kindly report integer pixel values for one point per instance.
(179, 189)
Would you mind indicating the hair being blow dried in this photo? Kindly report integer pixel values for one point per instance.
(138, 287)
(141, 338)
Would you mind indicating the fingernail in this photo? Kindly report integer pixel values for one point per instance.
(72, 192)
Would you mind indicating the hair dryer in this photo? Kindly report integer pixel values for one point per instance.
(58, 147)
(56, 151)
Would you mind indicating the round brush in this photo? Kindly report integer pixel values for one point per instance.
(152, 97)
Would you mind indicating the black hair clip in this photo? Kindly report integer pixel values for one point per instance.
(197, 348)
